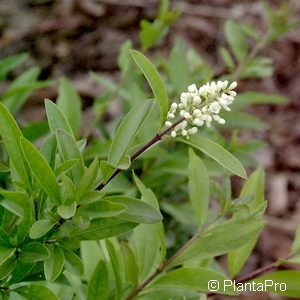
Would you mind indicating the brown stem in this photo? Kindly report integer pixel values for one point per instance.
(142, 150)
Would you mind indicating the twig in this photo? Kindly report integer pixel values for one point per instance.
(142, 150)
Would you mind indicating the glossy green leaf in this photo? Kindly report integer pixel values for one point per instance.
(68, 149)
(7, 267)
(6, 253)
(41, 170)
(56, 118)
(11, 134)
(198, 187)
(35, 292)
(14, 202)
(65, 166)
(155, 82)
(217, 153)
(67, 211)
(127, 131)
(98, 286)
(194, 279)
(48, 150)
(236, 40)
(69, 102)
(137, 210)
(102, 228)
(101, 208)
(53, 266)
(34, 252)
(281, 282)
(40, 228)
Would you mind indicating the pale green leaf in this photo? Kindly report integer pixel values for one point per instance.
(40, 228)
(53, 266)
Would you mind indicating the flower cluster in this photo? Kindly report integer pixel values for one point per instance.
(201, 106)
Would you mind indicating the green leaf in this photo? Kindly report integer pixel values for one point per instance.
(5, 254)
(41, 170)
(198, 187)
(35, 130)
(4, 239)
(15, 102)
(67, 211)
(194, 279)
(69, 102)
(222, 239)
(137, 210)
(217, 153)
(9, 63)
(65, 166)
(127, 131)
(102, 228)
(236, 40)
(178, 66)
(34, 252)
(73, 262)
(40, 228)
(89, 178)
(4, 168)
(7, 267)
(53, 266)
(98, 286)
(14, 202)
(259, 67)
(124, 60)
(250, 98)
(48, 149)
(227, 58)
(11, 134)
(68, 149)
(56, 118)
(101, 208)
(35, 292)
(281, 282)
(155, 82)
(296, 242)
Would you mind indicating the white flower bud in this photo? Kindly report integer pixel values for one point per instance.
(198, 122)
(168, 123)
(174, 106)
(221, 121)
(184, 132)
(224, 85)
(197, 100)
(173, 133)
(184, 124)
(232, 93)
(193, 130)
(233, 85)
(216, 117)
(219, 85)
(182, 112)
(171, 115)
(187, 115)
(192, 88)
(180, 105)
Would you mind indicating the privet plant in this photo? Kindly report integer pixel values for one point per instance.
(128, 214)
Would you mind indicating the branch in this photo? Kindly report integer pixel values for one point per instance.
(142, 150)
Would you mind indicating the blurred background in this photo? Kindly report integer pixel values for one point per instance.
(73, 37)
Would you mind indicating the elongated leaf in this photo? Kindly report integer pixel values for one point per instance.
(178, 66)
(98, 287)
(56, 118)
(127, 130)
(42, 171)
(217, 153)
(155, 82)
(137, 210)
(34, 252)
(14, 202)
(35, 292)
(65, 167)
(40, 227)
(88, 180)
(198, 187)
(102, 228)
(281, 282)
(15, 102)
(70, 103)
(235, 38)
(72, 262)
(5, 254)
(67, 211)
(68, 149)
(7, 267)
(9, 63)
(48, 149)
(195, 279)
(223, 239)
(101, 208)
(11, 134)
(226, 57)
(54, 264)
